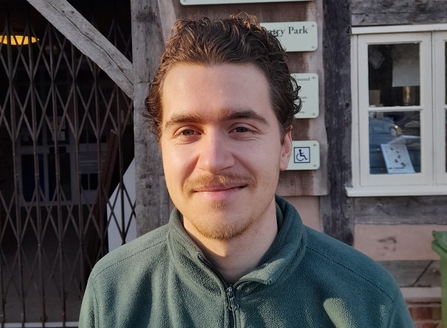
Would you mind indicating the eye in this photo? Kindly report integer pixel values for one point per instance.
(241, 129)
(187, 132)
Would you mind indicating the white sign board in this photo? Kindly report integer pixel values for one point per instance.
(216, 2)
(295, 36)
(309, 95)
(305, 155)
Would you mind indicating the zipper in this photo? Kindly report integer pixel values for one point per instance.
(232, 306)
(229, 291)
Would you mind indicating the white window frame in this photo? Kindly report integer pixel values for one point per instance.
(440, 105)
(432, 180)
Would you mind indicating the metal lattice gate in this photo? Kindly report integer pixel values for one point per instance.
(65, 142)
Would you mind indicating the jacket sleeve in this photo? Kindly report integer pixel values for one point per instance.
(89, 308)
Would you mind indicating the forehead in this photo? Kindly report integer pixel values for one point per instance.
(206, 89)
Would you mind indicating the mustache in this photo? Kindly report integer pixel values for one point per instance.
(220, 180)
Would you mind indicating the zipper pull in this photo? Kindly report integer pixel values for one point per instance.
(232, 306)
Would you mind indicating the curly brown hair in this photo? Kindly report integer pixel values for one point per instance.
(238, 39)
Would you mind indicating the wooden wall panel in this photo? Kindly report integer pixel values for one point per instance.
(152, 200)
(401, 210)
(415, 273)
(389, 12)
(336, 208)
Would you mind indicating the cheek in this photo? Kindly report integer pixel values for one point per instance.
(263, 161)
(177, 165)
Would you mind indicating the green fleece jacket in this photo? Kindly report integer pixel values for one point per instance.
(306, 279)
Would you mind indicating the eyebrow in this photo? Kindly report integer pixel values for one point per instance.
(227, 115)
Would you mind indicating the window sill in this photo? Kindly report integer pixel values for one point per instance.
(372, 191)
(421, 294)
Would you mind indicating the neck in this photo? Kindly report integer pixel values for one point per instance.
(240, 255)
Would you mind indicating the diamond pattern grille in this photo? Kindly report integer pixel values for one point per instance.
(65, 142)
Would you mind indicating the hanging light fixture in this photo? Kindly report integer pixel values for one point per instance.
(17, 39)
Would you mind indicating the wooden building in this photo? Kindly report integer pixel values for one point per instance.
(379, 85)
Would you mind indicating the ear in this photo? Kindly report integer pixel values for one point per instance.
(286, 151)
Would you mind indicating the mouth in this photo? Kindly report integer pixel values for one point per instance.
(218, 194)
(218, 188)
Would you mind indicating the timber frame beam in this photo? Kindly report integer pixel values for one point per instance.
(89, 41)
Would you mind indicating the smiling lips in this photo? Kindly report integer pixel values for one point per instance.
(218, 194)
(217, 188)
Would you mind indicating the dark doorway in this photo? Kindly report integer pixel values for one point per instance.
(65, 143)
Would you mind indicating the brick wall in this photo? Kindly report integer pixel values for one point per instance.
(426, 314)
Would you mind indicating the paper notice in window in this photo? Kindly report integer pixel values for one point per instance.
(397, 159)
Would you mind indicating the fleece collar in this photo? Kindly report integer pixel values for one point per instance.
(285, 253)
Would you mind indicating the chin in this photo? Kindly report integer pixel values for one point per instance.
(220, 226)
(223, 232)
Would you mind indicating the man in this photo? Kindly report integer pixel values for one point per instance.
(222, 104)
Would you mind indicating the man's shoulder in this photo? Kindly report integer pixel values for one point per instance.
(139, 254)
(346, 263)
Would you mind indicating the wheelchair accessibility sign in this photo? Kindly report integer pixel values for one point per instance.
(301, 154)
(305, 155)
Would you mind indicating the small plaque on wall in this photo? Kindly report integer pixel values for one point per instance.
(217, 2)
(309, 95)
(305, 155)
(295, 36)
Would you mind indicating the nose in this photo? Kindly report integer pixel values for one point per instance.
(215, 153)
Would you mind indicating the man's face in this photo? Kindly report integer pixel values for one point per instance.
(221, 147)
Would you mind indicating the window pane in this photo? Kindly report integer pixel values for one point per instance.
(394, 142)
(394, 75)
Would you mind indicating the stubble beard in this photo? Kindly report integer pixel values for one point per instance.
(227, 228)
